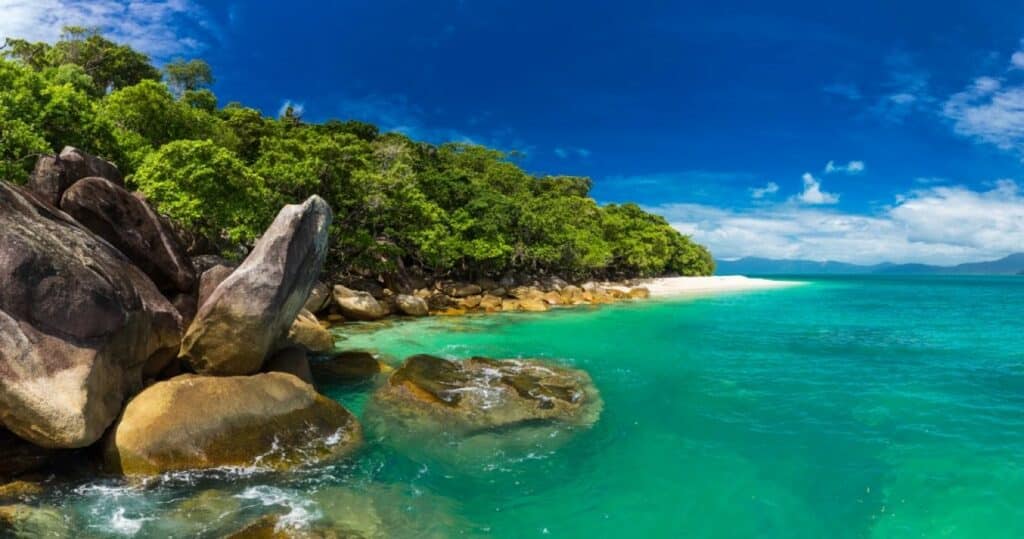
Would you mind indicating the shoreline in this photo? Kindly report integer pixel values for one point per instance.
(668, 287)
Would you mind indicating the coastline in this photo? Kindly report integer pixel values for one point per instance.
(666, 287)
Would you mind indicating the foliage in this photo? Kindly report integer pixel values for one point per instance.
(455, 209)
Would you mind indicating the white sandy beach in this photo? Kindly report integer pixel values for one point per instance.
(681, 286)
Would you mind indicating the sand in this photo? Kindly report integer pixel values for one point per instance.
(682, 286)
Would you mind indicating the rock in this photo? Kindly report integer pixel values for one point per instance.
(370, 286)
(411, 305)
(205, 262)
(509, 305)
(533, 305)
(379, 511)
(357, 305)
(589, 286)
(487, 284)
(439, 301)
(307, 333)
(499, 292)
(615, 293)
(26, 521)
(186, 304)
(131, 225)
(639, 293)
(481, 395)
(270, 420)
(490, 303)
(571, 294)
(250, 311)
(55, 174)
(319, 298)
(554, 283)
(346, 367)
(210, 280)
(78, 322)
(470, 302)
(600, 296)
(292, 361)
(18, 457)
(526, 292)
(553, 298)
(461, 290)
(20, 491)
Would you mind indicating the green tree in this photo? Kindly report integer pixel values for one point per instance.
(187, 76)
(207, 189)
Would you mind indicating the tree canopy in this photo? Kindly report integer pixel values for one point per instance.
(222, 172)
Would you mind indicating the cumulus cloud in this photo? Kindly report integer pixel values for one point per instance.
(1017, 60)
(939, 225)
(155, 27)
(760, 192)
(812, 193)
(853, 167)
(988, 111)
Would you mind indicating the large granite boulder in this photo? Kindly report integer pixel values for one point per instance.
(358, 305)
(270, 420)
(210, 280)
(346, 367)
(319, 298)
(249, 313)
(54, 174)
(131, 225)
(78, 322)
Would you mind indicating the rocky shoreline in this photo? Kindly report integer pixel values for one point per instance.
(122, 355)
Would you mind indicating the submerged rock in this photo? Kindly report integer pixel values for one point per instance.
(270, 420)
(346, 367)
(253, 308)
(357, 305)
(27, 521)
(131, 225)
(293, 361)
(481, 394)
(78, 322)
(54, 174)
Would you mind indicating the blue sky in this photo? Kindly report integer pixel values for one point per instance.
(862, 132)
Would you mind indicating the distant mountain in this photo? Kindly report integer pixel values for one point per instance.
(1010, 265)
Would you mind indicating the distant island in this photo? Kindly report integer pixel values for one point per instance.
(1009, 265)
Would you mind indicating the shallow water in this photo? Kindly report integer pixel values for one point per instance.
(848, 407)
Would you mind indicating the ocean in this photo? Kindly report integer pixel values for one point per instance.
(855, 407)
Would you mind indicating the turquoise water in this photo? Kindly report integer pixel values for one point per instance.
(847, 407)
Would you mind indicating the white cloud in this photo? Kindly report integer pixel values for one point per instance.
(940, 225)
(812, 193)
(770, 189)
(1017, 60)
(299, 109)
(853, 167)
(989, 112)
(151, 26)
(564, 153)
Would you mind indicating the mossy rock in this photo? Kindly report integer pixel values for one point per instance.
(269, 420)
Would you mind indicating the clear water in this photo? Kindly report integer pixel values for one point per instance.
(848, 407)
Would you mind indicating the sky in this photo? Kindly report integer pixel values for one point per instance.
(856, 131)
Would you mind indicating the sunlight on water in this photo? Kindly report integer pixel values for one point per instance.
(851, 407)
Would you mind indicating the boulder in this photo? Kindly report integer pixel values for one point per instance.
(54, 174)
(487, 284)
(439, 301)
(470, 302)
(18, 457)
(553, 298)
(205, 262)
(291, 360)
(461, 290)
(639, 293)
(210, 280)
(490, 303)
(358, 305)
(533, 305)
(370, 286)
(526, 292)
(269, 420)
(306, 332)
(186, 304)
(253, 309)
(20, 491)
(571, 294)
(509, 305)
(411, 305)
(430, 397)
(77, 323)
(346, 367)
(319, 298)
(131, 225)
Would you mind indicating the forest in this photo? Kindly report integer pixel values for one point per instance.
(220, 173)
